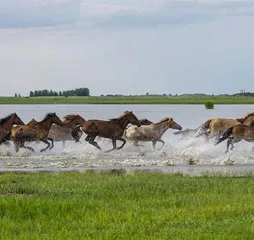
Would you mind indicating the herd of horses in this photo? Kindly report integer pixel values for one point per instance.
(71, 128)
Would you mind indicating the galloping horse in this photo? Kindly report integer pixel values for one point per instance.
(237, 133)
(112, 129)
(36, 132)
(152, 132)
(6, 126)
(64, 133)
(218, 126)
(145, 121)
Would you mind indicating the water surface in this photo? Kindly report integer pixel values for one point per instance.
(177, 153)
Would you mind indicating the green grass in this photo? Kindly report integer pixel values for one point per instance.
(128, 100)
(125, 206)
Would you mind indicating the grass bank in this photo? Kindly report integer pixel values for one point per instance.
(127, 100)
(125, 206)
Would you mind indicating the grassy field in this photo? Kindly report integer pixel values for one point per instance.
(125, 206)
(127, 100)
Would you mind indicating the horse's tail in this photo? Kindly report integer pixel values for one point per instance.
(76, 133)
(225, 135)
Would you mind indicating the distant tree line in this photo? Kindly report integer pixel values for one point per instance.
(244, 94)
(75, 92)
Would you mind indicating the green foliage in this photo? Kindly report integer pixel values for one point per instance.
(209, 105)
(45, 92)
(125, 206)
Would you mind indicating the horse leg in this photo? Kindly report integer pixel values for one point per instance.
(46, 142)
(52, 143)
(230, 142)
(135, 143)
(22, 145)
(163, 143)
(91, 141)
(87, 138)
(16, 146)
(154, 143)
(121, 139)
(114, 146)
(63, 144)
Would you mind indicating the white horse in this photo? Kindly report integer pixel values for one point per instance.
(152, 132)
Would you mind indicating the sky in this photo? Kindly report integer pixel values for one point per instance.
(127, 46)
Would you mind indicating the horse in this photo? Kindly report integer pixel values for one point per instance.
(6, 125)
(112, 129)
(145, 121)
(152, 132)
(218, 126)
(37, 132)
(12, 119)
(189, 132)
(63, 133)
(236, 134)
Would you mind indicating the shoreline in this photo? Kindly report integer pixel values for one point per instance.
(239, 170)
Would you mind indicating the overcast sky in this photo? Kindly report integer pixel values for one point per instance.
(127, 46)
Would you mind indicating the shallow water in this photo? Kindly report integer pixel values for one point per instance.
(181, 155)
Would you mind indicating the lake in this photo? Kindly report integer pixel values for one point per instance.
(176, 155)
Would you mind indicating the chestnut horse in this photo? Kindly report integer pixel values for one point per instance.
(64, 133)
(152, 132)
(112, 129)
(237, 133)
(218, 126)
(6, 125)
(35, 132)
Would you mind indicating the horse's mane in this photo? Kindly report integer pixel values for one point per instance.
(245, 117)
(122, 116)
(162, 121)
(3, 120)
(48, 115)
(248, 115)
(70, 117)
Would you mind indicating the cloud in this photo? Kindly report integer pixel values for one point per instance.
(38, 13)
(111, 13)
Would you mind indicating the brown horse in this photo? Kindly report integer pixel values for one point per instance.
(152, 132)
(112, 129)
(12, 119)
(63, 133)
(6, 125)
(237, 133)
(37, 132)
(218, 126)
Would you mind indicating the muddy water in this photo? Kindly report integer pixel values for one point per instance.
(190, 156)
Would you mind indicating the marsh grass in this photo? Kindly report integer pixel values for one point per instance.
(128, 100)
(125, 206)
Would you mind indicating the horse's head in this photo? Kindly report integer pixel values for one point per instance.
(32, 122)
(17, 120)
(132, 118)
(56, 120)
(145, 121)
(79, 120)
(173, 124)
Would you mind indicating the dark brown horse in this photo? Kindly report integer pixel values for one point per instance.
(145, 121)
(37, 132)
(112, 129)
(12, 119)
(6, 125)
(63, 133)
(237, 133)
